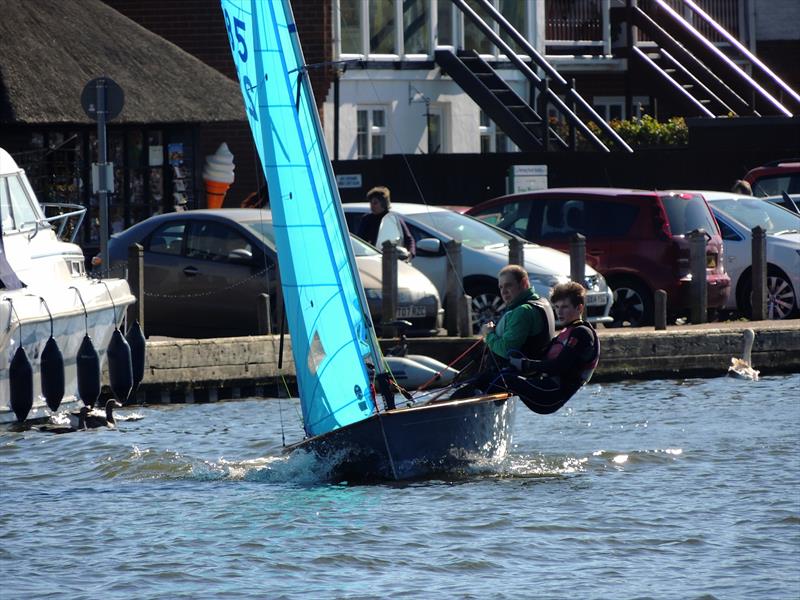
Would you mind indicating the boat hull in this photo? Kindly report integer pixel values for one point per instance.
(417, 442)
(29, 324)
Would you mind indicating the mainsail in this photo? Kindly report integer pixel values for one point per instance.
(325, 307)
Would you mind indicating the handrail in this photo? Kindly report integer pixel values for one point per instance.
(79, 212)
(673, 83)
(678, 19)
(752, 58)
(528, 72)
(664, 39)
(550, 71)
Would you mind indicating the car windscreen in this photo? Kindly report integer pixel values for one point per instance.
(757, 213)
(265, 231)
(772, 185)
(461, 228)
(687, 212)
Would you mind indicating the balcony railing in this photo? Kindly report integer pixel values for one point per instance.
(581, 26)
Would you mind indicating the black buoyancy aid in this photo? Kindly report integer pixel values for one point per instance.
(585, 369)
(535, 345)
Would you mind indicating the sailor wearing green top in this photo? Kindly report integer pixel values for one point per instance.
(527, 327)
(528, 323)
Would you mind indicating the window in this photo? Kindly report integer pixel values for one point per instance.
(168, 239)
(16, 210)
(492, 138)
(350, 26)
(728, 234)
(381, 27)
(560, 219)
(210, 240)
(371, 132)
(613, 107)
(416, 26)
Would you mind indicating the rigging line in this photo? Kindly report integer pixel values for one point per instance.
(457, 358)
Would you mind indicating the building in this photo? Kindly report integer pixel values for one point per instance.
(176, 109)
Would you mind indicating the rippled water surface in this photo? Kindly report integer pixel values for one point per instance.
(662, 489)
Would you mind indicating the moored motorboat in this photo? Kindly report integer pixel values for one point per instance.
(44, 288)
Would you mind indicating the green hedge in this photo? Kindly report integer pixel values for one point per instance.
(638, 133)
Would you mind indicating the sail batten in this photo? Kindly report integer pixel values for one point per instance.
(324, 304)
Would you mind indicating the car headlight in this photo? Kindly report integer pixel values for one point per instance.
(373, 293)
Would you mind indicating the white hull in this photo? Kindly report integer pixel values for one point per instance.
(30, 323)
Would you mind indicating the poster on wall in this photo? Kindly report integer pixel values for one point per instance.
(175, 154)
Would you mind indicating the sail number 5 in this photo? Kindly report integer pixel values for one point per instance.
(239, 47)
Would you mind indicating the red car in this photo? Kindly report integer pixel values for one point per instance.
(635, 238)
(774, 178)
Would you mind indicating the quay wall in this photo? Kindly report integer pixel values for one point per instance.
(189, 370)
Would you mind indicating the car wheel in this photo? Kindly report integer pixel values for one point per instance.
(487, 305)
(781, 296)
(633, 304)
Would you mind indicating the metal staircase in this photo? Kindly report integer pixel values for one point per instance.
(518, 119)
(711, 79)
(503, 105)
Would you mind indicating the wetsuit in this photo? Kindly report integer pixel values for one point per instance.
(569, 362)
(370, 224)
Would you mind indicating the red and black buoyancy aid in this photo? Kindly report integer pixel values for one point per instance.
(535, 345)
(584, 370)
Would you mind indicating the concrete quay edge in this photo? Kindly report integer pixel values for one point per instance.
(206, 370)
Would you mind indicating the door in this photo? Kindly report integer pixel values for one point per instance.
(223, 273)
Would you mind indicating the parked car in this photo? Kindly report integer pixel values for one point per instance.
(205, 269)
(775, 177)
(788, 201)
(636, 239)
(484, 252)
(737, 215)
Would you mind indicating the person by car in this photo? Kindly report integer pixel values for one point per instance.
(378, 225)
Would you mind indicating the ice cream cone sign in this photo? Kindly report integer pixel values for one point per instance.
(218, 175)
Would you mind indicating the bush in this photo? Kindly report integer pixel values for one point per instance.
(638, 133)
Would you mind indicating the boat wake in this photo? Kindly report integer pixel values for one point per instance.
(304, 468)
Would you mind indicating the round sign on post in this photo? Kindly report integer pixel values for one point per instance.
(114, 100)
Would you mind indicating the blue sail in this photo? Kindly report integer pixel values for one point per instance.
(330, 329)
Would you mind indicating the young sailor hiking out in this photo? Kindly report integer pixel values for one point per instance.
(569, 361)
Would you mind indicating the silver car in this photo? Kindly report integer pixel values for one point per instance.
(204, 271)
(484, 252)
(737, 216)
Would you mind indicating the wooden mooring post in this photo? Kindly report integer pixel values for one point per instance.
(759, 270)
(136, 283)
(697, 267)
(454, 287)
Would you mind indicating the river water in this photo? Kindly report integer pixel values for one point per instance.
(660, 489)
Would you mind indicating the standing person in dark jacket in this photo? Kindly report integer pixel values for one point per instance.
(569, 360)
(379, 204)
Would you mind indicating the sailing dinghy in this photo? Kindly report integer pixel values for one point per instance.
(349, 415)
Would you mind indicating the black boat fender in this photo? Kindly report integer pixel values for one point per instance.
(137, 343)
(120, 369)
(52, 374)
(88, 364)
(20, 377)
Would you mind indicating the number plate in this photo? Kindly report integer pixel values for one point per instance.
(404, 312)
(596, 299)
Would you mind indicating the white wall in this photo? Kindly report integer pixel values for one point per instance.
(406, 122)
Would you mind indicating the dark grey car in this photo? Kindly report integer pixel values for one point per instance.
(204, 271)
